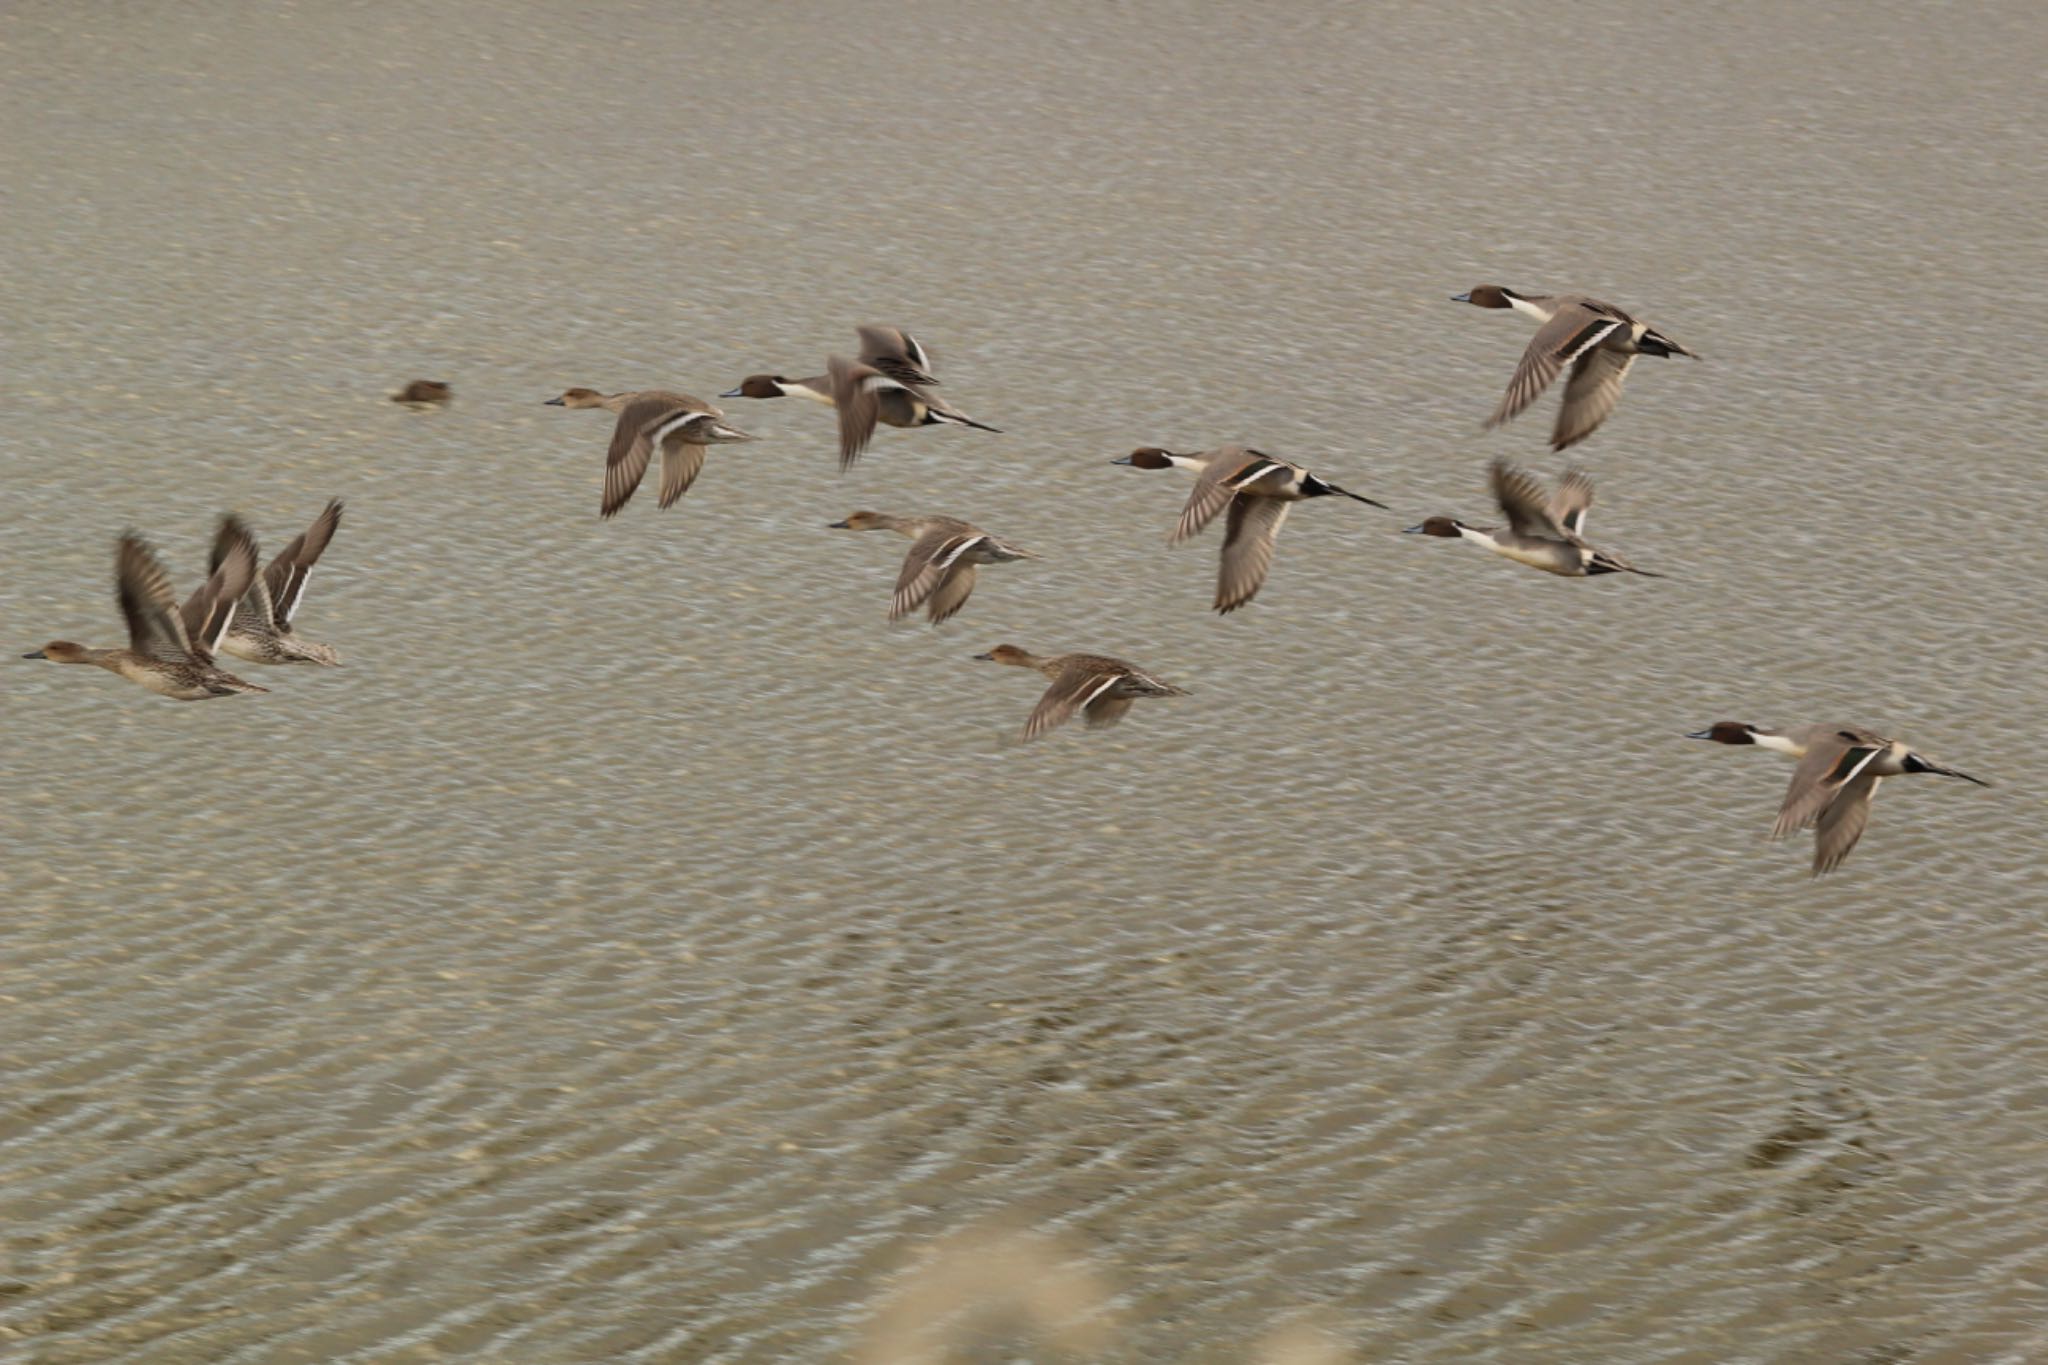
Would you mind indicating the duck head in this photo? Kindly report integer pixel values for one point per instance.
(1008, 654)
(578, 398)
(1437, 526)
(60, 652)
(1727, 732)
(1486, 296)
(759, 386)
(1148, 457)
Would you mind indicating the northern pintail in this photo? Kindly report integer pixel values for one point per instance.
(1832, 788)
(888, 384)
(1599, 342)
(262, 628)
(421, 392)
(938, 573)
(1543, 532)
(1105, 687)
(681, 425)
(1258, 489)
(170, 649)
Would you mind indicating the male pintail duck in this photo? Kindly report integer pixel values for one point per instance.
(888, 384)
(261, 631)
(938, 573)
(891, 350)
(1258, 489)
(1544, 533)
(681, 425)
(170, 649)
(1839, 769)
(1596, 339)
(423, 391)
(1105, 687)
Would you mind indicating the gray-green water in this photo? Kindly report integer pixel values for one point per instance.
(637, 949)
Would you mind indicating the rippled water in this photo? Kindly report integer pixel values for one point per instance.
(638, 950)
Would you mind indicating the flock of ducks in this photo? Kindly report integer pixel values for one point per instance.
(173, 648)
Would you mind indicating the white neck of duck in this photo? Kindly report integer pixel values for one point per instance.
(1777, 744)
(1530, 309)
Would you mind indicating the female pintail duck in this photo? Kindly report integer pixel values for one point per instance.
(681, 425)
(938, 573)
(1105, 687)
(1832, 788)
(423, 392)
(1544, 533)
(261, 631)
(1596, 339)
(1258, 489)
(170, 649)
(891, 350)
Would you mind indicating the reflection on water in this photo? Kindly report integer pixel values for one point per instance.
(640, 951)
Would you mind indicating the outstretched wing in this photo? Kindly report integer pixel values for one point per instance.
(208, 612)
(1591, 393)
(1523, 500)
(1248, 543)
(932, 558)
(1080, 684)
(897, 354)
(285, 580)
(1574, 499)
(857, 391)
(1843, 822)
(1572, 331)
(155, 628)
(1227, 470)
(1829, 766)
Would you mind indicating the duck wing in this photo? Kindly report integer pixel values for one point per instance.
(1522, 499)
(1590, 395)
(155, 628)
(284, 582)
(208, 612)
(858, 391)
(897, 354)
(1574, 499)
(1573, 330)
(1830, 765)
(1084, 679)
(1248, 544)
(1842, 823)
(934, 557)
(1224, 472)
(649, 419)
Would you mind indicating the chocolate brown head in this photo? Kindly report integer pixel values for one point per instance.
(1148, 457)
(1485, 296)
(758, 386)
(1727, 732)
(1436, 526)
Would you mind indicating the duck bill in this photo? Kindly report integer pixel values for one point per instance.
(37, 655)
(837, 526)
(1465, 297)
(1123, 459)
(988, 657)
(1412, 530)
(1701, 734)
(733, 393)
(554, 403)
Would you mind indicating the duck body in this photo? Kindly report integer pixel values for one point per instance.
(1599, 341)
(170, 648)
(1257, 489)
(1100, 686)
(939, 572)
(1543, 532)
(682, 427)
(1840, 767)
